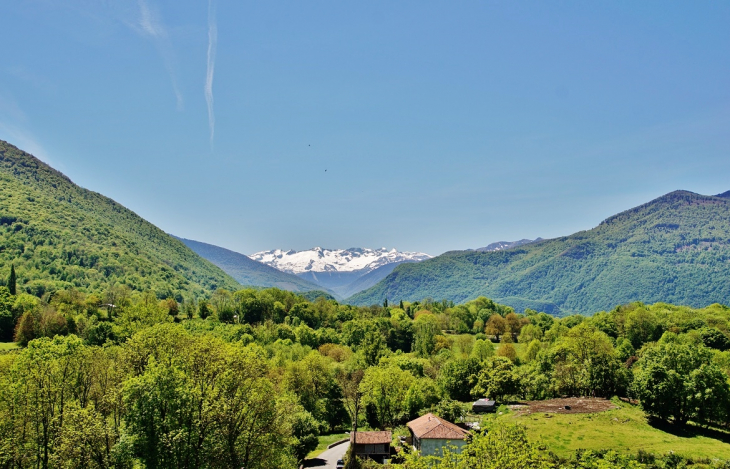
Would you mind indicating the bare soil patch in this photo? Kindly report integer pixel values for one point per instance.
(570, 405)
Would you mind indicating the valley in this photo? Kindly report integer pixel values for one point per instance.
(141, 337)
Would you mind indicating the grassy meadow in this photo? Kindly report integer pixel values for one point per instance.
(622, 429)
(8, 346)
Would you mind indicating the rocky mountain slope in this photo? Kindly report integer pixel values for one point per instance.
(340, 270)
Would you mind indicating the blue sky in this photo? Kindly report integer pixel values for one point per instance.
(426, 126)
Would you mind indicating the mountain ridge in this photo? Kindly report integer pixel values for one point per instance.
(342, 271)
(247, 271)
(675, 248)
(60, 235)
(501, 245)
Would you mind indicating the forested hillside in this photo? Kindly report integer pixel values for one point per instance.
(247, 271)
(59, 235)
(252, 378)
(675, 249)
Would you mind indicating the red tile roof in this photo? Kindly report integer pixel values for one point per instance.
(431, 427)
(372, 438)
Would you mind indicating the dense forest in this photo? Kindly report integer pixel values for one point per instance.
(250, 378)
(674, 249)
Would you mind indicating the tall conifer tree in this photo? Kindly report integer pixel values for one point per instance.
(12, 280)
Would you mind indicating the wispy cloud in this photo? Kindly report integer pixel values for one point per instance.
(212, 44)
(149, 24)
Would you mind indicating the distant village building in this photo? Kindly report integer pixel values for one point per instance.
(484, 405)
(432, 434)
(373, 445)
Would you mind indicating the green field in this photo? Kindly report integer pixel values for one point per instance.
(8, 346)
(324, 441)
(623, 429)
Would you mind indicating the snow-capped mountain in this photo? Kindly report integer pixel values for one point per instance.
(340, 270)
(334, 260)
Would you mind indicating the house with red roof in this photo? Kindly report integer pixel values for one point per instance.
(371, 445)
(432, 434)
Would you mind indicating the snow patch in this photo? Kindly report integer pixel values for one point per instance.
(334, 260)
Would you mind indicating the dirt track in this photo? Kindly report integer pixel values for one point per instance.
(577, 405)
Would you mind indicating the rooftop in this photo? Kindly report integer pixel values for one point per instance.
(372, 438)
(431, 427)
(484, 402)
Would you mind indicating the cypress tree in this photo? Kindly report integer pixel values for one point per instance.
(12, 280)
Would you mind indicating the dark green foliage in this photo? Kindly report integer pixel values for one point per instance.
(305, 429)
(12, 280)
(677, 380)
(312, 295)
(457, 378)
(62, 236)
(675, 249)
(7, 315)
(450, 410)
(99, 334)
(714, 338)
(204, 309)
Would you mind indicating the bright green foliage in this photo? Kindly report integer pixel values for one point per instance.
(675, 248)
(384, 394)
(313, 380)
(200, 402)
(677, 380)
(145, 386)
(60, 236)
(482, 350)
(426, 328)
(51, 405)
(457, 377)
(305, 429)
(586, 364)
(496, 380)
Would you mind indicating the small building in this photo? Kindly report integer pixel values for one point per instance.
(432, 434)
(371, 445)
(484, 405)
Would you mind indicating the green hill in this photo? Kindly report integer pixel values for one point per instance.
(59, 235)
(674, 249)
(248, 271)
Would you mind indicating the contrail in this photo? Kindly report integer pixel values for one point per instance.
(151, 26)
(212, 43)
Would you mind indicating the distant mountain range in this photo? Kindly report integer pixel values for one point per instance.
(502, 245)
(59, 235)
(675, 249)
(247, 271)
(343, 271)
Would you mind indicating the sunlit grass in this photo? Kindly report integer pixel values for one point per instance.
(624, 429)
(324, 441)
